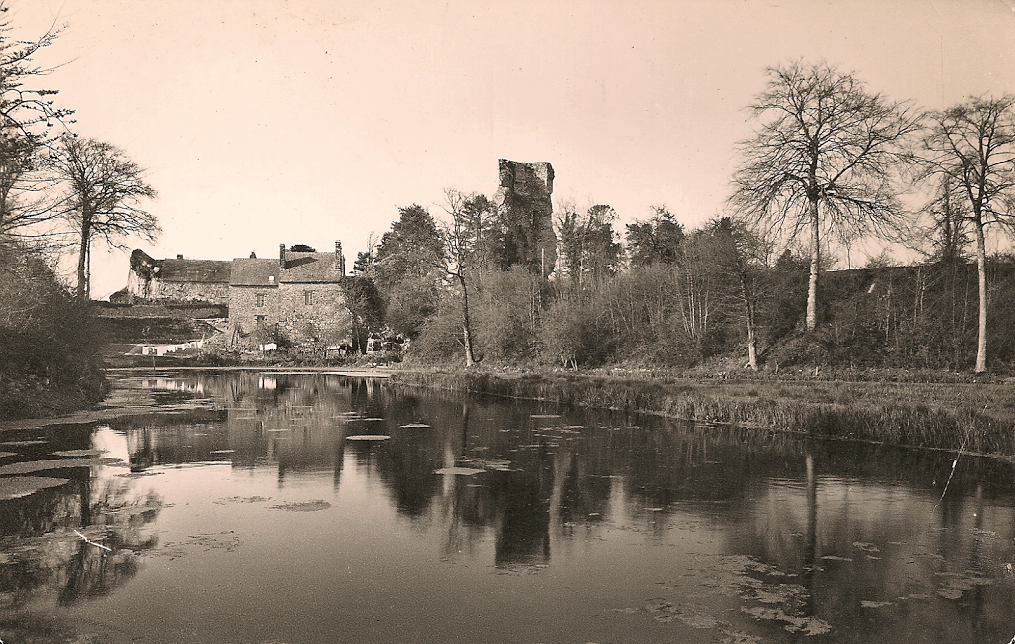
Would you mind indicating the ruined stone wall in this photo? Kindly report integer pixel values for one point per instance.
(212, 293)
(526, 207)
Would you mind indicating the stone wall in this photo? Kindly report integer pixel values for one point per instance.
(526, 206)
(214, 293)
(325, 319)
(243, 309)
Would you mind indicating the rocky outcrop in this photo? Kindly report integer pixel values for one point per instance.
(526, 209)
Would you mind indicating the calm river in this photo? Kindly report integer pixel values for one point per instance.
(261, 508)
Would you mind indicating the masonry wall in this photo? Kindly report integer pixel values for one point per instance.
(243, 309)
(326, 319)
(525, 201)
(211, 292)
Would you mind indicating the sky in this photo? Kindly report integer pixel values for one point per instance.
(262, 122)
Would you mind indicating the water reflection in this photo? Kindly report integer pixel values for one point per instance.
(630, 528)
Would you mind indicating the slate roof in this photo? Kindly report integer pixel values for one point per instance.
(193, 270)
(254, 272)
(310, 268)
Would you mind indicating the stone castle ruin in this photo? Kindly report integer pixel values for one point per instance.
(526, 207)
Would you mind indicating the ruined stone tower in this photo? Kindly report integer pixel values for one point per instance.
(524, 200)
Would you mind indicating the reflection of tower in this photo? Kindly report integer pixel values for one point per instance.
(524, 535)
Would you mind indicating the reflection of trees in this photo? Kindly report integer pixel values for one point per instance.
(57, 558)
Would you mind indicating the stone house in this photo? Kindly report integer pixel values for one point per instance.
(176, 280)
(297, 297)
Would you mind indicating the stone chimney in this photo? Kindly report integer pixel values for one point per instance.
(339, 258)
(179, 256)
(281, 255)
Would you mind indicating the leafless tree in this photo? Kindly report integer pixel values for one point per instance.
(102, 191)
(463, 253)
(821, 161)
(26, 118)
(972, 147)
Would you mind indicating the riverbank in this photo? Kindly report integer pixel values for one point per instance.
(973, 417)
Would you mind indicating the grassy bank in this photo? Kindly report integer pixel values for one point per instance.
(974, 417)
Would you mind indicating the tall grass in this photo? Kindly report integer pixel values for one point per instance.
(977, 420)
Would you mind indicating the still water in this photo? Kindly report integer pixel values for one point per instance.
(307, 508)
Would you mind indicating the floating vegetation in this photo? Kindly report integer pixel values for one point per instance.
(805, 625)
(664, 611)
(227, 540)
(367, 437)
(461, 471)
(544, 416)
(6, 454)
(223, 451)
(24, 443)
(25, 467)
(79, 453)
(415, 426)
(15, 487)
(497, 465)
(241, 499)
(871, 604)
(306, 506)
(284, 429)
(957, 583)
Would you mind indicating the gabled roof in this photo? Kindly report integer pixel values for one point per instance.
(310, 268)
(193, 270)
(254, 272)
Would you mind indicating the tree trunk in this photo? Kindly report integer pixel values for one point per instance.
(470, 359)
(752, 341)
(981, 269)
(812, 287)
(83, 290)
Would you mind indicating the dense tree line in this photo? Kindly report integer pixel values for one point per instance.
(827, 166)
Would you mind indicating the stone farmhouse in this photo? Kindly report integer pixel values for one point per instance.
(299, 296)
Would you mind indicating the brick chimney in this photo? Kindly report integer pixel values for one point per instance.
(281, 255)
(339, 258)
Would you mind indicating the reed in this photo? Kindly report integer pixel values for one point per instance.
(973, 418)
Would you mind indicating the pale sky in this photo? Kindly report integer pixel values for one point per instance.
(306, 121)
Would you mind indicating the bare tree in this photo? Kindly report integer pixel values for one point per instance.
(821, 161)
(464, 254)
(972, 146)
(103, 190)
(26, 116)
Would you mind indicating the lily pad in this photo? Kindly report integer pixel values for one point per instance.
(15, 487)
(79, 453)
(367, 437)
(25, 467)
(306, 506)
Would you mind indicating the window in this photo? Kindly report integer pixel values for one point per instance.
(260, 299)
(308, 298)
